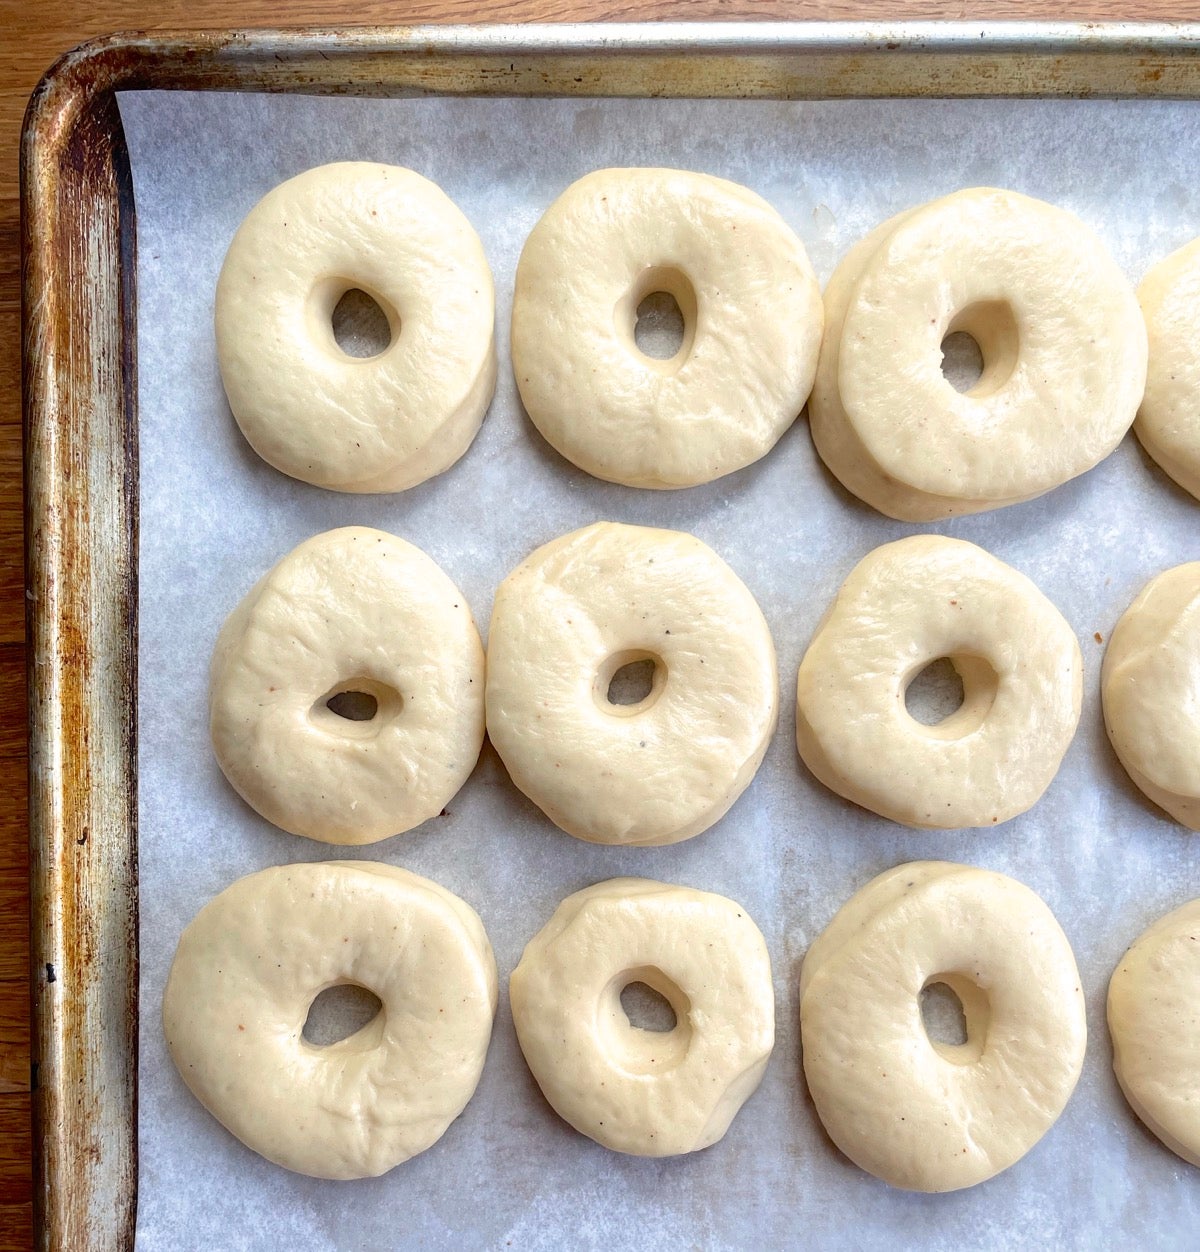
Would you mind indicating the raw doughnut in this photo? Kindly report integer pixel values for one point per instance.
(646, 1092)
(1154, 1019)
(1168, 423)
(574, 613)
(931, 1116)
(752, 326)
(1057, 324)
(351, 610)
(903, 606)
(1150, 685)
(385, 422)
(247, 970)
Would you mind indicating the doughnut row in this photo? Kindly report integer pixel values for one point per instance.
(919, 1111)
(631, 687)
(1062, 341)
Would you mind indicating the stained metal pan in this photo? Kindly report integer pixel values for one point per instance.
(81, 433)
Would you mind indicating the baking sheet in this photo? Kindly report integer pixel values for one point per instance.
(213, 517)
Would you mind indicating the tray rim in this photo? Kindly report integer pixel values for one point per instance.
(209, 59)
(79, 410)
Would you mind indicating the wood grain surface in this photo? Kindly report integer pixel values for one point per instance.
(32, 34)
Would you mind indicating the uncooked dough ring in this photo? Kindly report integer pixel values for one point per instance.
(646, 1092)
(1059, 329)
(1152, 1006)
(752, 326)
(247, 970)
(1150, 684)
(385, 422)
(903, 606)
(931, 1116)
(350, 610)
(574, 613)
(1168, 423)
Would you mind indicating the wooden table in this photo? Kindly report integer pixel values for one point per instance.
(32, 34)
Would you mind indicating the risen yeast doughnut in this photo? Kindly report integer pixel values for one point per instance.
(904, 606)
(1059, 331)
(346, 690)
(650, 1093)
(381, 423)
(247, 970)
(585, 606)
(1150, 684)
(1153, 1001)
(752, 326)
(1168, 423)
(931, 1116)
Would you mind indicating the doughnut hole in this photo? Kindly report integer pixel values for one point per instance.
(629, 683)
(647, 1009)
(951, 695)
(352, 321)
(934, 693)
(962, 361)
(980, 348)
(357, 708)
(955, 1014)
(644, 1049)
(656, 318)
(346, 1013)
(658, 331)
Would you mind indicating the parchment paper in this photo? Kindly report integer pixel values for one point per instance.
(509, 1173)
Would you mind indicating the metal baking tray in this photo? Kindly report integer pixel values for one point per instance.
(81, 431)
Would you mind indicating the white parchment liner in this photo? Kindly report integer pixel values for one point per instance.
(213, 517)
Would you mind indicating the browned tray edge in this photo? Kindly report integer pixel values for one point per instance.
(80, 418)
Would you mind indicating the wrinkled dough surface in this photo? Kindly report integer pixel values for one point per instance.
(649, 1093)
(247, 970)
(1154, 1020)
(1062, 339)
(1150, 685)
(650, 773)
(931, 1116)
(381, 423)
(903, 606)
(752, 314)
(353, 609)
(1168, 423)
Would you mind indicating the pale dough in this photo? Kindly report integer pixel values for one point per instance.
(646, 1092)
(350, 610)
(1154, 1019)
(385, 422)
(930, 1116)
(247, 970)
(580, 608)
(752, 326)
(1168, 423)
(1150, 684)
(903, 606)
(1060, 333)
